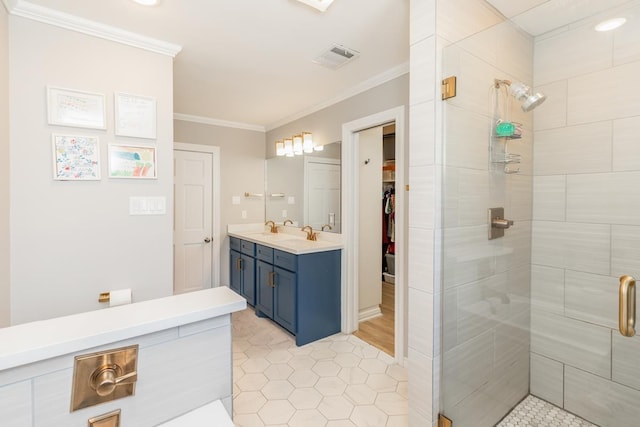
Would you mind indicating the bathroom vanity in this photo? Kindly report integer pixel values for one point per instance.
(291, 280)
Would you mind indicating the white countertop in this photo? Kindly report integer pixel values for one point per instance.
(288, 239)
(35, 341)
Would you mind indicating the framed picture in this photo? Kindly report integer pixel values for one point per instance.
(68, 107)
(76, 158)
(131, 161)
(135, 116)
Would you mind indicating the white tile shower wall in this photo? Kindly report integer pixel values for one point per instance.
(173, 359)
(486, 283)
(585, 230)
(421, 227)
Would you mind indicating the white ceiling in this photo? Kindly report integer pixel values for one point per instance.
(250, 61)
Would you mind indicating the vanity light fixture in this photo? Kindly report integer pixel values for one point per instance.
(610, 24)
(321, 5)
(297, 145)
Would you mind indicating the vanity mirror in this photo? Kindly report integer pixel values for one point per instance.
(305, 189)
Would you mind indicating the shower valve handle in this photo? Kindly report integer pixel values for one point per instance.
(501, 223)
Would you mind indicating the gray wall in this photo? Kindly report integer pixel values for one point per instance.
(326, 124)
(241, 170)
(72, 240)
(4, 169)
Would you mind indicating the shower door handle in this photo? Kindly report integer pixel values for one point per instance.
(627, 306)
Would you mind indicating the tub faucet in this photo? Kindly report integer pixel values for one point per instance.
(310, 234)
(274, 227)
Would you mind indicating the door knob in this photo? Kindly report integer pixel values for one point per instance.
(207, 240)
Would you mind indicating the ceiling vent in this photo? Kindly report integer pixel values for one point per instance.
(321, 5)
(336, 56)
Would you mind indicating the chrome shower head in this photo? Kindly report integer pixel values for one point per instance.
(522, 93)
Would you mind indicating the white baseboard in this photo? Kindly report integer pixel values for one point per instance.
(369, 313)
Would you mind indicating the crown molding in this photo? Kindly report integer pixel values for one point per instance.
(74, 23)
(364, 86)
(216, 122)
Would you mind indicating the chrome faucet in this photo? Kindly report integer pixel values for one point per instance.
(326, 225)
(310, 234)
(287, 221)
(274, 227)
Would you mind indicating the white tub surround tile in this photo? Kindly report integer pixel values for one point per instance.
(455, 26)
(421, 124)
(592, 298)
(600, 401)
(573, 53)
(608, 198)
(626, 149)
(420, 254)
(625, 360)
(603, 95)
(519, 197)
(625, 251)
(421, 196)
(573, 149)
(547, 289)
(554, 112)
(547, 379)
(466, 197)
(420, 322)
(581, 247)
(625, 40)
(573, 342)
(15, 405)
(422, 73)
(423, 20)
(549, 197)
(31, 342)
(467, 139)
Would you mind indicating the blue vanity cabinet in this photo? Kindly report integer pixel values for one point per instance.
(242, 271)
(299, 292)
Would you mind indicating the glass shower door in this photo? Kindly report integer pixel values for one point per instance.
(539, 310)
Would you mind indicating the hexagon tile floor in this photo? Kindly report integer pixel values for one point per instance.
(534, 412)
(339, 381)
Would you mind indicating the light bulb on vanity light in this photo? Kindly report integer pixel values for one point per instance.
(307, 142)
(288, 147)
(297, 145)
(280, 148)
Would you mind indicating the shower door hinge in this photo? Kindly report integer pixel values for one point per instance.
(449, 87)
(444, 421)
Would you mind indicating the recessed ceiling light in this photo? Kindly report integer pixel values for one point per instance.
(321, 5)
(147, 2)
(610, 24)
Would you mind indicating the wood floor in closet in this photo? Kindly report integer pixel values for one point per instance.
(379, 332)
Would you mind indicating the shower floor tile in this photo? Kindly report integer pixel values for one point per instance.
(534, 412)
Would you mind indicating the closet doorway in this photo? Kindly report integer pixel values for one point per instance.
(376, 237)
(351, 217)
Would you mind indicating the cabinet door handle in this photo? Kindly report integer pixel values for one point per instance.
(272, 279)
(239, 264)
(627, 306)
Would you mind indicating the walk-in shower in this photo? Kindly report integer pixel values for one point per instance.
(522, 93)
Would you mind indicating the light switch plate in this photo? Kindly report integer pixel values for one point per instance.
(235, 200)
(291, 200)
(147, 205)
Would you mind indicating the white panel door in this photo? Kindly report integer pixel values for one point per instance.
(192, 241)
(323, 194)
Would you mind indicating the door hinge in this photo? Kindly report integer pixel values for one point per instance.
(449, 87)
(444, 421)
